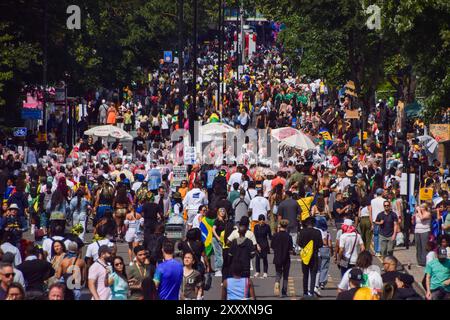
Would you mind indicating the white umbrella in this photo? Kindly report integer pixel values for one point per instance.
(216, 128)
(299, 141)
(283, 133)
(109, 131)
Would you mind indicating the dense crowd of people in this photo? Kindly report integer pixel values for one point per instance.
(231, 213)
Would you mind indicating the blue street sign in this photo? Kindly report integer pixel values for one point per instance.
(20, 132)
(168, 56)
(31, 114)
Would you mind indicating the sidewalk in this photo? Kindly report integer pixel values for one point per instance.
(408, 262)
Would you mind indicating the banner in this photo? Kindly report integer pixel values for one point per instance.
(179, 174)
(351, 114)
(441, 132)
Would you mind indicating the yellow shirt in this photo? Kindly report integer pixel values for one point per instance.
(306, 206)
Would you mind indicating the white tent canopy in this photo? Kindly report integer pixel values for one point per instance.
(298, 141)
(109, 131)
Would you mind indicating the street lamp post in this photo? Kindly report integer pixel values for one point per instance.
(193, 105)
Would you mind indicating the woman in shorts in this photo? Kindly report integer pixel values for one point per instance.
(133, 236)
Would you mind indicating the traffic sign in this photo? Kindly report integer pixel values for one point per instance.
(20, 132)
(31, 114)
(168, 56)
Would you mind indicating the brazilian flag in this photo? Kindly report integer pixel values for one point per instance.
(206, 227)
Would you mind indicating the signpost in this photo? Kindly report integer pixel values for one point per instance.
(168, 57)
(31, 114)
(20, 132)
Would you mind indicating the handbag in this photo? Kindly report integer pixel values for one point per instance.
(343, 262)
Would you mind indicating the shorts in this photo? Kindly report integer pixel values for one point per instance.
(191, 216)
(132, 236)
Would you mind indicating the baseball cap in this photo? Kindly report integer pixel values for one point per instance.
(379, 191)
(355, 274)
(72, 247)
(442, 253)
(104, 249)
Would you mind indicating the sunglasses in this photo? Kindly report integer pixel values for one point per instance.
(118, 264)
(8, 275)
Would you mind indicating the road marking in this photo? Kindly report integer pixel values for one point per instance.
(291, 288)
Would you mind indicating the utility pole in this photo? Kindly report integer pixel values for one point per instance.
(44, 71)
(180, 62)
(193, 105)
(219, 63)
(242, 36)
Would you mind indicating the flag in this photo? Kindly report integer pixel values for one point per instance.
(206, 227)
(326, 137)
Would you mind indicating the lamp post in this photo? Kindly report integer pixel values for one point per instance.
(193, 105)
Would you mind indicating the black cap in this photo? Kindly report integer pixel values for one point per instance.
(355, 274)
(406, 279)
(8, 257)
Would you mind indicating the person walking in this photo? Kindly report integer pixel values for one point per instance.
(376, 206)
(290, 210)
(310, 241)
(169, 274)
(262, 234)
(365, 224)
(282, 247)
(238, 287)
(97, 274)
(438, 276)
(388, 227)
(421, 232)
(192, 287)
(218, 227)
(117, 280)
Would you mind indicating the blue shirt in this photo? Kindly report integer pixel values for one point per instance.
(238, 289)
(210, 175)
(169, 275)
(154, 177)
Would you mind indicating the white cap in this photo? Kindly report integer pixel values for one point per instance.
(348, 222)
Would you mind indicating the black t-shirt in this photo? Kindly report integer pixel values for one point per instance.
(150, 212)
(35, 272)
(305, 236)
(2, 294)
(387, 228)
(139, 143)
(347, 295)
(389, 277)
(338, 205)
(220, 226)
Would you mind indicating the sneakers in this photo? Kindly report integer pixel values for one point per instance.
(377, 254)
(264, 275)
(322, 286)
(218, 273)
(256, 275)
(317, 291)
(276, 289)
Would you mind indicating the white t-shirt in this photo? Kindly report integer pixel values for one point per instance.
(235, 177)
(250, 194)
(374, 280)
(347, 241)
(197, 220)
(343, 184)
(377, 206)
(194, 199)
(267, 187)
(259, 205)
(92, 249)
(8, 247)
(97, 272)
(365, 212)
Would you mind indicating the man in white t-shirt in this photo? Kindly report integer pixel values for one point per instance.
(251, 192)
(376, 206)
(92, 251)
(193, 200)
(349, 243)
(258, 205)
(235, 178)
